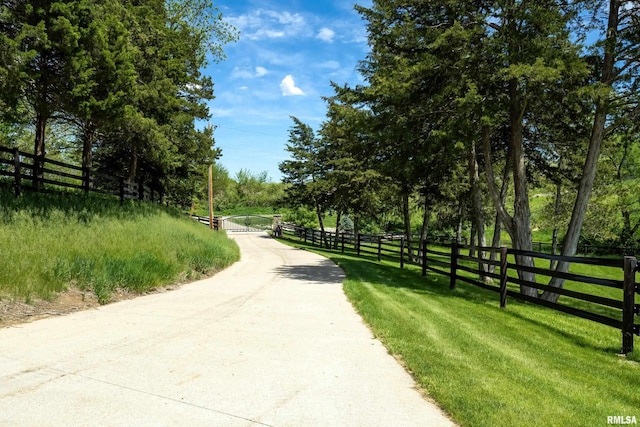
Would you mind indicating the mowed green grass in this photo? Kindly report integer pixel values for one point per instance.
(486, 366)
(51, 242)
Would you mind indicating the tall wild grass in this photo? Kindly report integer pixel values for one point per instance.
(51, 242)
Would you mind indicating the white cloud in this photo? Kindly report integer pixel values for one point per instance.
(334, 65)
(326, 34)
(261, 71)
(289, 88)
(268, 24)
(243, 73)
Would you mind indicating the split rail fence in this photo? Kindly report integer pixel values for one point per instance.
(605, 300)
(18, 168)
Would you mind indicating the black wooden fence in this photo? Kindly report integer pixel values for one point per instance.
(604, 300)
(18, 168)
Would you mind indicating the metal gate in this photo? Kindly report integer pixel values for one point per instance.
(247, 223)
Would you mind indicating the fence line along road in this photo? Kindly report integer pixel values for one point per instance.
(479, 270)
(27, 172)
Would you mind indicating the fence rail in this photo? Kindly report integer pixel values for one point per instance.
(493, 269)
(19, 168)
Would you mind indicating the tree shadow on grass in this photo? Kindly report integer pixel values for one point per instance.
(434, 284)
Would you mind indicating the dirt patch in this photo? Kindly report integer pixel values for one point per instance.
(14, 312)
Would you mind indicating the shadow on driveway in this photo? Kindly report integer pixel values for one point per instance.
(324, 272)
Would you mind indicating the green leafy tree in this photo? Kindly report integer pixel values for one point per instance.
(356, 185)
(305, 174)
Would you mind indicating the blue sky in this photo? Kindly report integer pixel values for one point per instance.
(288, 53)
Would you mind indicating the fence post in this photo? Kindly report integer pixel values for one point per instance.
(628, 304)
(17, 172)
(140, 190)
(455, 252)
(503, 276)
(357, 242)
(424, 258)
(342, 238)
(379, 248)
(402, 252)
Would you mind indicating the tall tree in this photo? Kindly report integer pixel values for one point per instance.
(355, 182)
(47, 36)
(305, 173)
(619, 59)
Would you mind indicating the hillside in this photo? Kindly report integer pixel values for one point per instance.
(66, 252)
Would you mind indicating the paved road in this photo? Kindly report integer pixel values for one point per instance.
(271, 341)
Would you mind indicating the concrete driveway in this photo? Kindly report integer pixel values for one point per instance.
(272, 341)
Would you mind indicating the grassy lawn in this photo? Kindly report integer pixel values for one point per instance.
(485, 366)
(51, 242)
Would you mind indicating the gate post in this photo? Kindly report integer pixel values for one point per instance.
(628, 304)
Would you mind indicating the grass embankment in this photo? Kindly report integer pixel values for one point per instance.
(50, 242)
(521, 366)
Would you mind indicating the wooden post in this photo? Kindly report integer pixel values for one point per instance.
(503, 276)
(342, 238)
(402, 252)
(379, 248)
(628, 304)
(455, 252)
(17, 172)
(424, 258)
(357, 242)
(211, 197)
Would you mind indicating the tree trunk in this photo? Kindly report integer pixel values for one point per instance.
(556, 212)
(472, 240)
(497, 230)
(39, 150)
(477, 212)
(406, 214)
(133, 166)
(459, 228)
(323, 236)
(521, 212)
(424, 231)
(570, 244)
(88, 139)
(498, 201)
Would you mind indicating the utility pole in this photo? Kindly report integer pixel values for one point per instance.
(211, 197)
